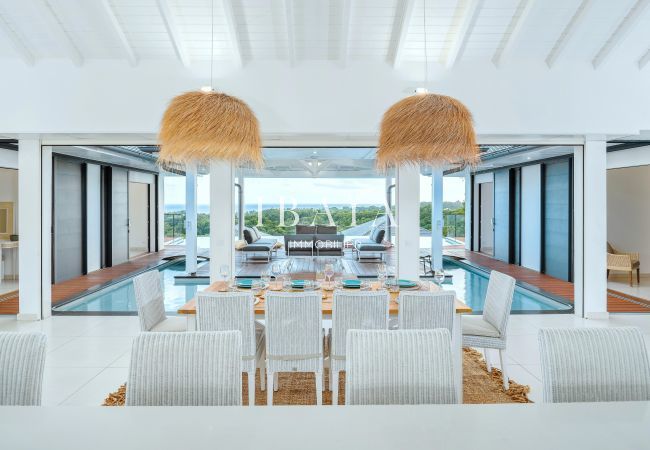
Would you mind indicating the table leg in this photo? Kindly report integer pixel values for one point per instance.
(191, 322)
(457, 348)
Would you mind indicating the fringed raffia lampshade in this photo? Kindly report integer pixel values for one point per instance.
(203, 126)
(426, 129)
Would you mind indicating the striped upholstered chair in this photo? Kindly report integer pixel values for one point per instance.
(223, 311)
(150, 301)
(22, 359)
(399, 367)
(294, 337)
(594, 365)
(490, 330)
(185, 369)
(353, 311)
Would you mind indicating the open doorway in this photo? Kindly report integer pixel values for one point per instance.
(8, 238)
(486, 218)
(139, 213)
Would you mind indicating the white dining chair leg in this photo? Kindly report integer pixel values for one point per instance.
(262, 376)
(269, 392)
(276, 382)
(251, 388)
(504, 374)
(486, 355)
(334, 387)
(319, 391)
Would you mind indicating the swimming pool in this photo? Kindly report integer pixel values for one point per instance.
(120, 297)
(471, 283)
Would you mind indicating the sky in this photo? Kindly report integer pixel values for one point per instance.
(312, 190)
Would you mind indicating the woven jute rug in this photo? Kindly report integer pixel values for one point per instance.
(479, 386)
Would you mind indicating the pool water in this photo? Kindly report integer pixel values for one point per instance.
(120, 297)
(471, 284)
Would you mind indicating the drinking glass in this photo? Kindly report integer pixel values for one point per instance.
(329, 271)
(320, 277)
(265, 277)
(276, 269)
(439, 276)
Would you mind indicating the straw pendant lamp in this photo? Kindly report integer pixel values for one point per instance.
(200, 126)
(426, 128)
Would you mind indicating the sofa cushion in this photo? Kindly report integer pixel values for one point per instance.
(368, 245)
(257, 247)
(305, 229)
(256, 234)
(326, 229)
(377, 235)
(249, 235)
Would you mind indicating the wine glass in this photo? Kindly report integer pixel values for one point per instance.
(276, 269)
(224, 271)
(381, 273)
(439, 276)
(329, 271)
(265, 277)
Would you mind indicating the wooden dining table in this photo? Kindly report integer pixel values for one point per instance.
(189, 310)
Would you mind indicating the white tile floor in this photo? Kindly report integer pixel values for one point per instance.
(88, 357)
(621, 283)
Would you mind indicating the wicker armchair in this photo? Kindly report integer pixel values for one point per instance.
(624, 262)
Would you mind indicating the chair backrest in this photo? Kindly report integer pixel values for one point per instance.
(399, 367)
(426, 310)
(356, 310)
(149, 299)
(22, 359)
(185, 369)
(223, 311)
(293, 323)
(594, 365)
(498, 301)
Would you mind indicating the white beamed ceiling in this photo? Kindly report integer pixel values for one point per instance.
(340, 31)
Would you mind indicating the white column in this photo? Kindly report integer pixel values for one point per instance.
(436, 218)
(578, 231)
(594, 267)
(222, 236)
(31, 263)
(408, 221)
(468, 209)
(190, 219)
(161, 211)
(46, 235)
(242, 210)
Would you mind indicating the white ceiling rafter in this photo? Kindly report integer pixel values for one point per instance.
(459, 40)
(17, 43)
(291, 40)
(344, 40)
(403, 18)
(513, 31)
(172, 31)
(645, 59)
(119, 32)
(620, 32)
(58, 32)
(233, 32)
(568, 32)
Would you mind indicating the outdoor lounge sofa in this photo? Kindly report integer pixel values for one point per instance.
(373, 244)
(317, 240)
(256, 244)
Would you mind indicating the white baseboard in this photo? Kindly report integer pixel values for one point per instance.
(28, 317)
(597, 315)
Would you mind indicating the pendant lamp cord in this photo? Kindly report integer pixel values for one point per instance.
(426, 49)
(211, 44)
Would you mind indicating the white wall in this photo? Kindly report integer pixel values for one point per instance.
(531, 216)
(9, 193)
(8, 158)
(629, 158)
(321, 97)
(628, 211)
(478, 179)
(93, 217)
(138, 221)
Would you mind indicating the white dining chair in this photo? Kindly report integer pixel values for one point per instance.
(594, 365)
(362, 310)
(399, 367)
(223, 311)
(294, 337)
(22, 360)
(426, 310)
(489, 331)
(150, 300)
(201, 368)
